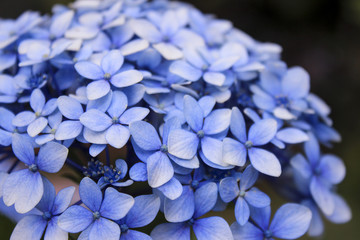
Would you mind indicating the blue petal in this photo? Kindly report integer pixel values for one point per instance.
(212, 228)
(292, 135)
(257, 198)
(143, 212)
(228, 189)
(291, 221)
(134, 114)
(237, 125)
(205, 199)
(207, 103)
(145, 135)
(117, 136)
(193, 113)
(262, 132)
(183, 144)
(37, 100)
(248, 232)
(52, 157)
(68, 130)
(30, 227)
(312, 150)
(37, 126)
(54, 232)
(5, 138)
(214, 78)
(62, 200)
(115, 205)
(145, 30)
(217, 121)
(301, 165)
(332, 168)
(138, 172)
(23, 149)
(126, 78)
(97, 89)
(242, 211)
(265, 162)
(104, 229)
(89, 70)
(159, 169)
(172, 189)
(90, 194)
(296, 83)
(23, 119)
(261, 216)
(134, 46)
(234, 152)
(248, 178)
(61, 23)
(48, 197)
(121, 166)
(212, 149)
(134, 235)
(182, 208)
(322, 196)
(174, 231)
(223, 63)
(75, 219)
(283, 113)
(6, 119)
(168, 51)
(69, 107)
(185, 70)
(24, 189)
(95, 120)
(112, 62)
(134, 93)
(118, 104)
(342, 212)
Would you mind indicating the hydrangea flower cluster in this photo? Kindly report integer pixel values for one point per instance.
(205, 118)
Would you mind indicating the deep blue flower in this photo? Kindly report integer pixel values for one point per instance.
(291, 221)
(244, 193)
(36, 120)
(193, 206)
(260, 133)
(206, 126)
(50, 207)
(24, 188)
(112, 176)
(97, 220)
(111, 64)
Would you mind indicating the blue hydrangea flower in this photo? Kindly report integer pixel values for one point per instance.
(35, 120)
(109, 71)
(144, 211)
(24, 188)
(112, 176)
(320, 172)
(97, 220)
(290, 221)
(193, 205)
(260, 133)
(111, 127)
(244, 193)
(206, 127)
(50, 207)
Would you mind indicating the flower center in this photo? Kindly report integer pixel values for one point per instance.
(37, 114)
(282, 100)
(107, 76)
(164, 148)
(124, 228)
(33, 168)
(96, 215)
(115, 120)
(242, 193)
(46, 216)
(268, 234)
(200, 134)
(249, 144)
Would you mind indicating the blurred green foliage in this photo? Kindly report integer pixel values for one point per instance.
(321, 35)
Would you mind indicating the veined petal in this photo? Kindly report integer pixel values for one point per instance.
(237, 125)
(265, 162)
(217, 121)
(242, 211)
(29, 227)
(134, 114)
(68, 130)
(257, 198)
(23, 119)
(97, 89)
(183, 144)
(228, 189)
(144, 211)
(90, 194)
(261, 132)
(182, 208)
(126, 78)
(37, 100)
(185, 70)
(112, 62)
(159, 169)
(69, 107)
(117, 135)
(168, 51)
(95, 120)
(248, 231)
(193, 113)
(174, 231)
(75, 219)
(23, 149)
(212, 228)
(234, 152)
(89, 70)
(145, 135)
(205, 199)
(37, 126)
(115, 204)
(52, 157)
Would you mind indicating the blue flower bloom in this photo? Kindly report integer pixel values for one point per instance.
(291, 221)
(112, 176)
(320, 172)
(260, 133)
(206, 127)
(193, 205)
(35, 120)
(245, 193)
(111, 64)
(111, 128)
(24, 188)
(50, 207)
(96, 222)
(144, 211)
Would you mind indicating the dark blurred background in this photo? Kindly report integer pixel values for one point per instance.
(323, 36)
